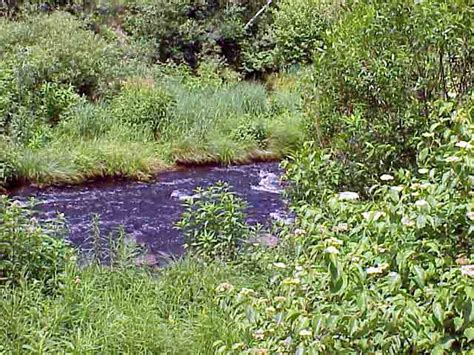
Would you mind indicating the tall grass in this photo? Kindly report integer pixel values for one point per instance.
(126, 310)
(236, 122)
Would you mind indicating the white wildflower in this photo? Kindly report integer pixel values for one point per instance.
(421, 203)
(331, 250)
(397, 188)
(463, 145)
(372, 215)
(247, 292)
(341, 227)
(299, 232)
(452, 159)
(386, 177)
(270, 309)
(305, 333)
(374, 270)
(462, 260)
(259, 334)
(470, 215)
(280, 265)
(348, 196)
(407, 222)
(467, 270)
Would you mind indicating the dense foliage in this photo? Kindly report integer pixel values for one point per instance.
(380, 75)
(30, 251)
(213, 224)
(377, 130)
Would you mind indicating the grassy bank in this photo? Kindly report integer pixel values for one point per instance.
(125, 310)
(116, 113)
(380, 256)
(217, 124)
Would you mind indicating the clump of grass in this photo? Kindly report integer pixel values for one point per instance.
(216, 123)
(87, 160)
(124, 310)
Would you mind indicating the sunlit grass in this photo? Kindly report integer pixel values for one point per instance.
(240, 122)
(127, 310)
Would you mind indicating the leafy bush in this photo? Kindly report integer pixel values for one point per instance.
(213, 224)
(80, 58)
(384, 66)
(47, 63)
(6, 95)
(299, 26)
(143, 104)
(57, 100)
(29, 251)
(7, 162)
(392, 273)
(184, 32)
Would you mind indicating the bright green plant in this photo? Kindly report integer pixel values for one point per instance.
(384, 65)
(80, 58)
(299, 26)
(392, 273)
(7, 162)
(30, 251)
(57, 100)
(142, 104)
(213, 223)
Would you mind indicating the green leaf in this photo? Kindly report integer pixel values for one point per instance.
(469, 333)
(423, 154)
(420, 221)
(419, 276)
(438, 314)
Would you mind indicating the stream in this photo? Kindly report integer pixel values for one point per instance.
(148, 211)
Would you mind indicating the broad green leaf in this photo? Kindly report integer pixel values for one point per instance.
(469, 334)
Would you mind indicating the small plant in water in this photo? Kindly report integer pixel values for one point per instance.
(213, 223)
(113, 249)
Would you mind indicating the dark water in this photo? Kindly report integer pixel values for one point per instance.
(149, 211)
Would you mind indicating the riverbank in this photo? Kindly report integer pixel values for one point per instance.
(143, 172)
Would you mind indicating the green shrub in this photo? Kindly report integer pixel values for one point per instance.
(299, 26)
(6, 96)
(142, 104)
(28, 250)
(184, 32)
(384, 66)
(391, 273)
(56, 100)
(47, 62)
(80, 58)
(213, 223)
(7, 162)
(312, 173)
